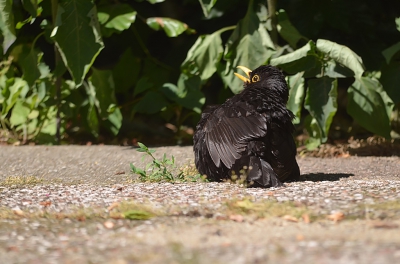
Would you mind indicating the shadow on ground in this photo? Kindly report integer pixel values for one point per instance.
(316, 177)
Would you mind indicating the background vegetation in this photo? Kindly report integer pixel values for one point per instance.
(119, 71)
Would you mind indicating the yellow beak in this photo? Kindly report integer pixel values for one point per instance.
(241, 77)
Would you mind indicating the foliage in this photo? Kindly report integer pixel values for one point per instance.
(162, 170)
(95, 69)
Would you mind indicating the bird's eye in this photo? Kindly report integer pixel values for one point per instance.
(255, 78)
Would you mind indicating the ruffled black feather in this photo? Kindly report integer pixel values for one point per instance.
(252, 129)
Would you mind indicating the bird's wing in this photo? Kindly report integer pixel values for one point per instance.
(229, 129)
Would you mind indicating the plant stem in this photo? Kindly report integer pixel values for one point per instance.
(274, 21)
(54, 8)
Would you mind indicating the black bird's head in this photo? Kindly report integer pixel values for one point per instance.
(265, 77)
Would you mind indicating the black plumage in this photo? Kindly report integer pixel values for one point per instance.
(252, 130)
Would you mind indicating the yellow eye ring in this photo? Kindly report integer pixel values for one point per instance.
(255, 78)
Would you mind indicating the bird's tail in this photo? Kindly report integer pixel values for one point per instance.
(259, 173)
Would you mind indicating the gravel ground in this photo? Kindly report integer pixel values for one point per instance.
(354, 205)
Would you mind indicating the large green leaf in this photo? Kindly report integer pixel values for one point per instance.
(296, 95)
(151, 103)
(390, 80)
(336, 70)
(247, 46)
(19, 114)
(193, 98)
(187, 93)
(343, 55)
(115, 18)
(206, 5)
(203, 56)
(32, 7)
(49, 125)
(30, 61)
(7, 24)
(77, 36)
(287, 30)
(143, 85)
(314, 132)
(370, 106)
(103, 84)
(13, 89)
(391, 52)
(321, 102)
(126, 71)
(303, 59)
(171, 27)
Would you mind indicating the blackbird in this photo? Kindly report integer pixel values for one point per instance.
(250, 132)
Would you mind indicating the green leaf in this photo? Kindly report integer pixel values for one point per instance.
(287, 30)
(142, 85)
(397, 21)
(247, 46)
(370, 106)
(77, 36)
(49, 126)
(142, 146)
(206, 5)
(193, 98)
(155, 1)
(302, 59)
(19, 114)
(115, 18)
(115, 121)
(32, 67)
(296, 95)
(32, 6)
(391, 52)
(171, 27)
(335, 70)
(203, 56)
(321, 102)
(343, 55)
(390, 80)
(92, 120)
(314, 132)
(151, 103)
(126, 71)
(103, 85)
(187, 93)
(7, 24)
(13, 89)
(137, 215)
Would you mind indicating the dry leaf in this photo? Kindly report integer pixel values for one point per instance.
(108, 224)
(19, 212)
(119, 172)
(116, 216)
(112, 206)
(290, 218)
(221, 217)
(300, 237)
(236, 218)
(45, 203)
(60, 216)
(306, 218)
(81, 218)
(336, 217)
(270, 193)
